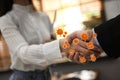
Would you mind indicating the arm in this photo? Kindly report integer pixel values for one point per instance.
(108, 36)
(103, 54)
(41, 54)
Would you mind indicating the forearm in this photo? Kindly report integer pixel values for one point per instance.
(41, 54)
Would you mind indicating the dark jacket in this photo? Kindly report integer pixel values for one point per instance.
(108, 35)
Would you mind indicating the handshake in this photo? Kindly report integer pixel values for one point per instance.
(80, 46)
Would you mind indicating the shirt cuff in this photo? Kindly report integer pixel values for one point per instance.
(52, 51)
(103, 54)
(96, 39)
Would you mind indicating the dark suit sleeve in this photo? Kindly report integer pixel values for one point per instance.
(108, 35)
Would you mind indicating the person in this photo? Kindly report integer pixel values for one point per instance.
(108, 37)
(27, 33)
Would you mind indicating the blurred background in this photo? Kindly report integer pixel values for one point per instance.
(73, 15)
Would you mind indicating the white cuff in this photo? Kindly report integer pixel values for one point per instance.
(52, 51)
(103, 54)
(96, 39)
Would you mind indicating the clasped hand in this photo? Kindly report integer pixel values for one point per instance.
(80, 46)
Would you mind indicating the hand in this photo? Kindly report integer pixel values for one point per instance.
(74, 51)
(85, 48)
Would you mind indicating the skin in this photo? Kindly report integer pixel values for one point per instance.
(81, 48)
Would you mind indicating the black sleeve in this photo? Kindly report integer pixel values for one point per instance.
(108, 35)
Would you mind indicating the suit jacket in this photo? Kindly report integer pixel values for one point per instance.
(108, 35)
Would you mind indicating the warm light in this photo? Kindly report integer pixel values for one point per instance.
(71, 17)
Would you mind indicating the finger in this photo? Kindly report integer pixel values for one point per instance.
(64, 54)
(82, 59)
(76, 57)
(89, 45)
(79, 42)
(96, 46)
(90, 34)
(85, 35)
(86, 52)
(81, 49)
(97, 54)
(71, 57)
(71, 36)
(71, 53)
(82, 43)
(93, 57)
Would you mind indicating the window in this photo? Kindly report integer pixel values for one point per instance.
(74, 14)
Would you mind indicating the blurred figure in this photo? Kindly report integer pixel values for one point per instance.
(27, 32)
